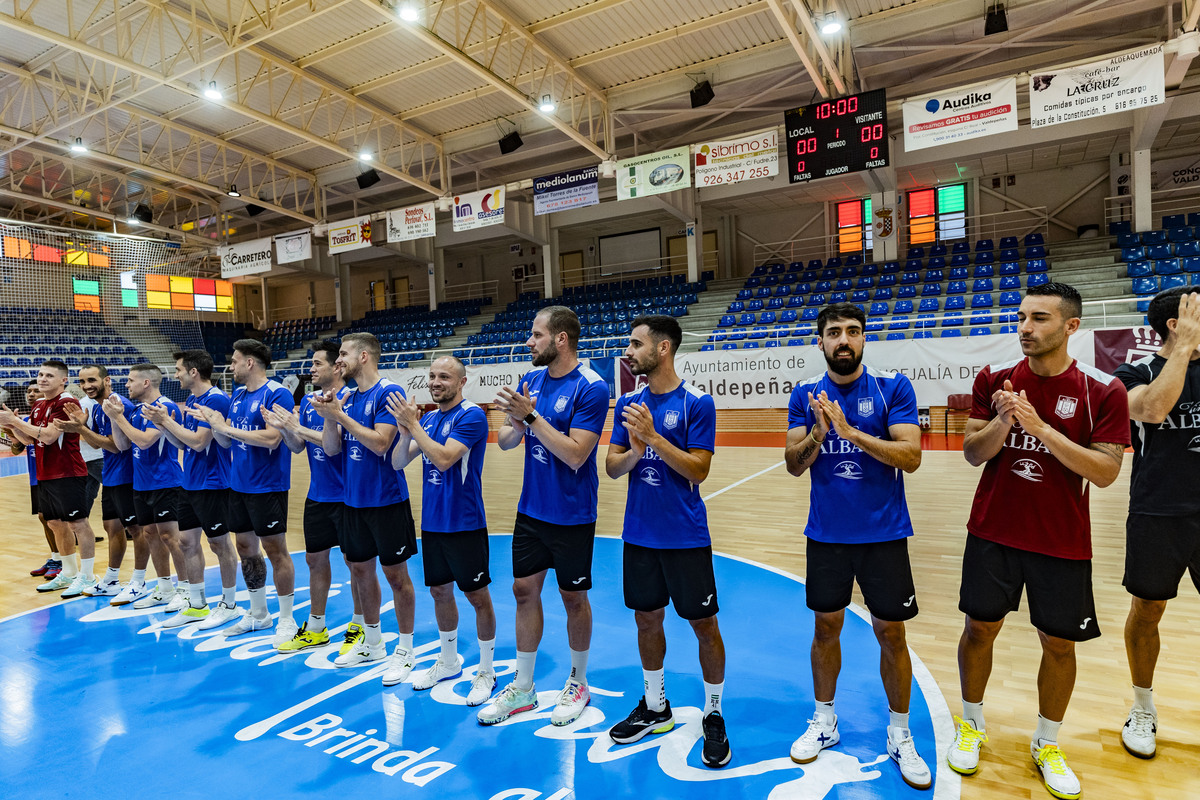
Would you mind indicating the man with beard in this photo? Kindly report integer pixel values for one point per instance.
(854, 430)
(53, 564)
(1045, 427)
(558, 412)
(663, 438)
(454, 538)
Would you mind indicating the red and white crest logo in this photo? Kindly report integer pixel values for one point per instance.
(1066, 406)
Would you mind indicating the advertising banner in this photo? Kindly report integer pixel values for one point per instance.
(350, 234)
(735, 160)
(576, 188)
(966, 112)
(245, 258)
(657, 173)
(292, 247)
(1126, 81)
(413, 222)
(479, 209)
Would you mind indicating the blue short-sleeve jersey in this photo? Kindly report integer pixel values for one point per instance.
(553, 492)
(369, 480)
(664, 509)
(453, 500)
(156, 466)
(325, 471)
(258, 470)
(208, 469)
(118, 467)
(854, 497)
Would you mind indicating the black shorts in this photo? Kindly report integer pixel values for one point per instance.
(33, 498)
(322, 525)
(63, 498)
(460, 556)
(1158, 550)
(117, 503)
(383, 532)
(881, 569)
(92, 488)
(1059, 589)
(204, 508)
(264, 514)
(157, 505)
(567, 549)
(684, 576)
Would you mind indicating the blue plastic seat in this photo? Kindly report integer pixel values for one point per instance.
(1167, 266)
(981, 331)
(982, 285)
(1010, 282)
(929, 304)
(907, 291)
(956, 302)
(903, 307)
(934, 276)
(1190, 264)
(894, 336)
(1174, 221)
(959, 248)
(1173, 281)
(900, 323)
(1040, 279)
(946, 334)
(1010, 299)
(860, 296)
(983, 271)
(960, 260)
(958, 273)
(982, 300)
(931, 290)
(1036, 265)
(883, 293)
(755, 305)
(956, 287)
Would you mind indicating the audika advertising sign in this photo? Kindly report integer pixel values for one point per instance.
(955, 115)
(479, 209)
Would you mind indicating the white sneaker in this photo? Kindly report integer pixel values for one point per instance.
(400, 666)
(178, 603)
(437, 673)
(130, 592)
(361, 653)
(104, 588)
(219, 616)
(903, 750)
(482, 686)
(285, 630)
(248, 624)
(821, 733)
(159, 597)
(572, 700)
(186, 617)
(1060, 780)
(79, 585)
(963, 756)
(1139, 732)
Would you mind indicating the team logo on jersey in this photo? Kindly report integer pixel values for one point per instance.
(671, 419)
(318, 454)
(850, 470)
(435, 478)
(866, 406)
(356, 454)
(254, 407)
(446, 428)
(1028, 469)
(539, 454)
(649, 476)
(1066, 406)
(560, 404)
(1194, 445)
(367, 408)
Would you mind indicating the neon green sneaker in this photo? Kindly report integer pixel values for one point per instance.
(186, 617)
(354, 635)
(304, 639)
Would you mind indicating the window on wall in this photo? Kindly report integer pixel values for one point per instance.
(937, 214)
(854, 225)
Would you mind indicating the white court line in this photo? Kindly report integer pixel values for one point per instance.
(743, 480)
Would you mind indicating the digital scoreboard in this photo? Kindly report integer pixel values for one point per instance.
(836, 137)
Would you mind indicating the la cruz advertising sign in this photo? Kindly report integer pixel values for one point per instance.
(967, 112)
(735, 160)
(413, 222)
(245, 258)
(1121, 83)
(351, 234)
(657, 173)
(577, 188)
(479, 209)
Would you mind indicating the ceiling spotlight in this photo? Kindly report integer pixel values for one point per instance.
(212, 92)
(831, 24)
(364, 155)
(232, 191)
(510, 142)
(702, 94)
(78, 146)
(408, 12)
(547, 106)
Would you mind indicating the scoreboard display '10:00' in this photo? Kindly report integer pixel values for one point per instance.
(835, 137)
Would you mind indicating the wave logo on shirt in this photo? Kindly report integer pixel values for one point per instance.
(1065, 408)
(446, 428)
(1028, 469)
(649, 476)
(1194, 445)
(670, 420)
(318, 454)
(435, 478)
(866, 406)
(356, 454)
(539, 454)
(560, 404)
(849, 470)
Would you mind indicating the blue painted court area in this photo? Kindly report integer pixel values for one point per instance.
(107, 697)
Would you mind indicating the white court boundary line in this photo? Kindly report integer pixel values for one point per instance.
(736, 484)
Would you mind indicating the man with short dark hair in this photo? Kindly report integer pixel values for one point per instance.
(1162, 533)
(53, 565)
(1045, 427)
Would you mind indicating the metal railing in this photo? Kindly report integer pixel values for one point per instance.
(632, 270)
(1163, 202)
(304, 311)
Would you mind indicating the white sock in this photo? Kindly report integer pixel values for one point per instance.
(258, 603)
(229, 595)
(86, 565)
(487, 651)
(55, 557)
(182, 587)
(973, 713)
(656, 692)
(164, 583)
(69, 570)
(405, 641)
(824, 711)
(374, 635)
(449, 642)
(112, 574)
(898, 723)
(1047, 732)
(139, 576)
(1144, 699)
(196, 595)
(316, 622)
(357, 619)
(579, 659)
(712, 697)
(285, 605)
(523, 679)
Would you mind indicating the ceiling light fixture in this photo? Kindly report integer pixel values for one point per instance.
(232, 191)
(831, 24)
(547, 106)
(212, 92)
(408, 12)
(364, 155)
(78, 146)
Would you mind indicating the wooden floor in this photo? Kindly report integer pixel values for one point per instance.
(762, 518)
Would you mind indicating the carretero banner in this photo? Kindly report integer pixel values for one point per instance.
(245, 258)
(966, 112)
(479, 209)
(1126, 81)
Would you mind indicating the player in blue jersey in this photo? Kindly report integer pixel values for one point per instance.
(558, 410)
(259, 477)
(454, 539)
(204, 502)
(663, 438)
(323, 507)
(854, 430)
(156, 474)
(378, 520)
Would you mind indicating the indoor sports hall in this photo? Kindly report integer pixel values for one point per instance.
(181, 176)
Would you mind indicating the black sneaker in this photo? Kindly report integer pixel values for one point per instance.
(641, 722)
(716, 744)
